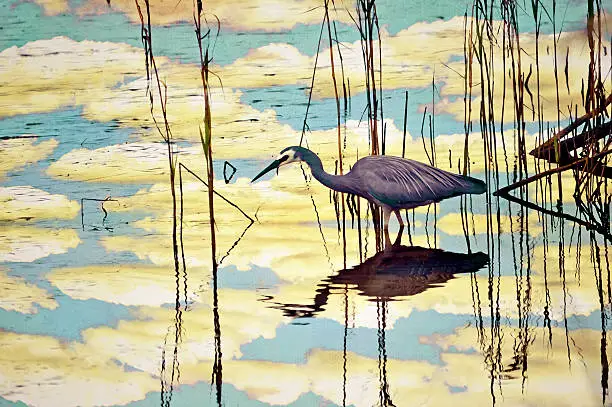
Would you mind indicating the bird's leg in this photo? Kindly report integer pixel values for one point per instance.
(399, 218)
(386, 216)
(398, 239)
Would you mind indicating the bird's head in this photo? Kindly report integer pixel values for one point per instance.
(287, 156)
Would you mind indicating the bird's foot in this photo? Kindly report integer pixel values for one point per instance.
(387, 239)
(398, 239)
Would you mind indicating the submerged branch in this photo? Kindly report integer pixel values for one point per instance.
(543, 151)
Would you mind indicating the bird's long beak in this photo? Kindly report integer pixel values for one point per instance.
(275, 164)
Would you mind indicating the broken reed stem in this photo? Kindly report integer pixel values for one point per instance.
(107, 199)
(576, 164)
(587, 225)
(546, 149)
(423, 137)
(181, 165)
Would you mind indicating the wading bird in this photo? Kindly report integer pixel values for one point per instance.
(392, 183)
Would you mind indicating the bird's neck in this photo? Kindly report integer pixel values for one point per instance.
(340, 183)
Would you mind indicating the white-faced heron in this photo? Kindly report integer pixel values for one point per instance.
(393, 183)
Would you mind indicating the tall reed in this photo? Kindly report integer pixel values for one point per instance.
(206, 140)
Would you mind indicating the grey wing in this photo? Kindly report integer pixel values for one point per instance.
(396, 182)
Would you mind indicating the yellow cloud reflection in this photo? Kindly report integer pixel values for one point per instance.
(139, 342)
(36, 369)
(570, 44)
(29, 243)
(97, 363)
(128, 163)
(26, 203)
(76, 73)
(53, 7)
(231, 119)
(19, 152)
(321, 374)
(266, 15)
(284, 241)
(104, 66)
(419, 381)
(409, 60)
(551, 379)
(134, 284)
(412, 57)
(18, 295)
(235, 123)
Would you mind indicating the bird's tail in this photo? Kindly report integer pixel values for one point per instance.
(474, 185)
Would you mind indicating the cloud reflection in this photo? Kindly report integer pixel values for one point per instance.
(18, 295)
(18, 152)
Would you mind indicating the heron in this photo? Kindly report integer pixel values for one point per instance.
(392, 183)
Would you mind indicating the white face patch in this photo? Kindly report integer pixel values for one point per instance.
(291, 157)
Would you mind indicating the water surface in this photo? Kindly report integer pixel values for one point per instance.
(482, 301)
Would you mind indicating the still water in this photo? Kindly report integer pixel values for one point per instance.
(109, 297)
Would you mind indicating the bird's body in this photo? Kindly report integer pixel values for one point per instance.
(393, 183)
(399, 183)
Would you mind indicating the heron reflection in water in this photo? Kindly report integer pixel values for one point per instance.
(390, 182)
(399, 271)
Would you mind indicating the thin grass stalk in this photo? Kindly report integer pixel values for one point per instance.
(166, 134)
(366, 25)
(340, 167)
(556, 71)
(344, 84)
(302, 137)
(314, 72)
(468, 83)
(380, 74)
